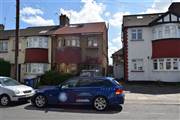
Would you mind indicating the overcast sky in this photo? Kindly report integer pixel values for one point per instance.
(46, 12)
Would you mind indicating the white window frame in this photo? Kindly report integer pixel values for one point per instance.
(137, 34)
(3, 45)
(166, 61)
(92, 41)
(36, 68)
(37, 42)
(137, 65)
(72, 41)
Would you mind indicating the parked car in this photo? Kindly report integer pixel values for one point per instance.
(11, 90)
(90, 73)
(99, 92)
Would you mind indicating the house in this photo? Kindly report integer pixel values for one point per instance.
(80, 46)
(151, 44)
(118, 64)
(34, 50)
(65, 47)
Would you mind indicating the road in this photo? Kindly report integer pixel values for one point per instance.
(130, 111)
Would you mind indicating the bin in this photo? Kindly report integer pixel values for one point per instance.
(31, 81)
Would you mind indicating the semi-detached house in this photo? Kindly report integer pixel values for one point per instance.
(67, 48)
(152, 46)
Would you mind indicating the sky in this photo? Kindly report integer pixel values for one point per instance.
(46, 12)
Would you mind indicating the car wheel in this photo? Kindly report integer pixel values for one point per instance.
(4, 100)
(100, 103)
(40, 101)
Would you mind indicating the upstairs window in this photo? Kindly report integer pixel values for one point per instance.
(136, 34)
(37, 42)
(3, 46)
(72, 41)
(92, 42)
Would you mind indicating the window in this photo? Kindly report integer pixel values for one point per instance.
(72, 41)
(70, 83)
(175, 64)
(155, 64)
(161, 64)
(85, 82)
(137, 65)
(3, 46)
(38, 68)
(168, 64)
(92, 42)
(37, 42)
(167, 31)
(136, 34)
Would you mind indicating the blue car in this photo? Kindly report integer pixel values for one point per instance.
(100, 92)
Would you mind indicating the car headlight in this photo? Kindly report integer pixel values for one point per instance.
(16, 92)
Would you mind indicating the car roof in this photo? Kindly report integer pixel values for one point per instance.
(98, 77)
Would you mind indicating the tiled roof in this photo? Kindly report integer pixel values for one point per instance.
(30, 31)
(139, 20)
(82, 28)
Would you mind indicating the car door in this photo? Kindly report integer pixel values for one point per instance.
(67, 91)
(84, 91)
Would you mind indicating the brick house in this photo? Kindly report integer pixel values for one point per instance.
(80, 46)
(151, 45)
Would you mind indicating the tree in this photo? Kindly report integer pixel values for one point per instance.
(5, 68)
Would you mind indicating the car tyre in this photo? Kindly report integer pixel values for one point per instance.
(100, 103)
(4, 100)
(40, 101)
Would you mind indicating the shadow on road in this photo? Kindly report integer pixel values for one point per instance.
(152, 88)
(15, 104)
(74, 109)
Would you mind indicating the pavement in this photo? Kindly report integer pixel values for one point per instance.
(152, 93)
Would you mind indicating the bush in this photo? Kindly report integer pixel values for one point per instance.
(5, 68)
(53, 78)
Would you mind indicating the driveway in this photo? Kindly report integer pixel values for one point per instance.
(152, 93)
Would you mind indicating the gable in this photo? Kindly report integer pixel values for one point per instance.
(166, 18)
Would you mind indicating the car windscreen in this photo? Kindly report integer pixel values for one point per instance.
(9, 82)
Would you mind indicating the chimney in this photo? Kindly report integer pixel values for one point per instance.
(175, 8)
(64, 20)
(1, 27)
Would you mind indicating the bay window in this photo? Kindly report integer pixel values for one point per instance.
(36, 68)
(37, 42)
(166, 64)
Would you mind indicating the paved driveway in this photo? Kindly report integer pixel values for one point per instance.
(152, 93)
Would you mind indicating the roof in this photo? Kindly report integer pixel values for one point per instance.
(119, 52)
(97, 27)
(175, 8)
(139, 19)
(30, 31)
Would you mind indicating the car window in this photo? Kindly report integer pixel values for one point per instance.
(9, 82)
(85, 82)
(70, 83)
(102, 83)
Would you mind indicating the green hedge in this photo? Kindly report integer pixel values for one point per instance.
(5, 68)
(53, 78)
